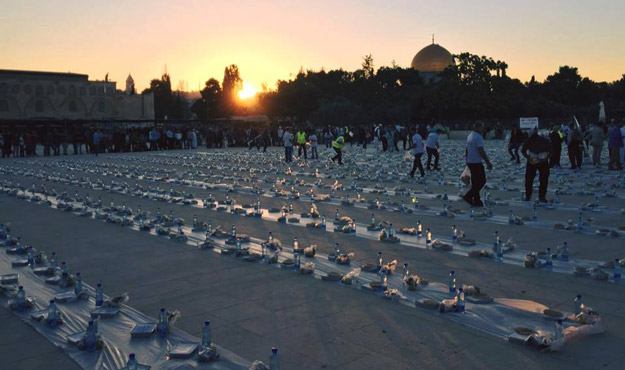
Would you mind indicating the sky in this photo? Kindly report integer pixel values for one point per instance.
(272, 39)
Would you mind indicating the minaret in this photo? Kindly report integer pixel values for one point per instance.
(130, 85)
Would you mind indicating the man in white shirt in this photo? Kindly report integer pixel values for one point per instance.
(417, 151)
(313, 145)
(431, 146)
(287, 139)
(475, 154)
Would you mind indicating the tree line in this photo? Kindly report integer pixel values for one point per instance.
(476, 87)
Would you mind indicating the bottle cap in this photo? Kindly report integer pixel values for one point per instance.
(451, 272)
(274, 350)
(579, 296)
(207, 323)
(21, 287)
(131, 356)
(162, 309)
(99, 285)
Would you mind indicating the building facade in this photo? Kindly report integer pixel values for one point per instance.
(50, 95)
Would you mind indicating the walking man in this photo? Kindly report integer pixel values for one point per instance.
(615, 142)
(417, 151)
(287, 138)
(537, 150)
(337, 145)
(431, 146)
(475, 154)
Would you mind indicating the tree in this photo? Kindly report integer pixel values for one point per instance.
(232, 84)
(367, 66)
(210, 103)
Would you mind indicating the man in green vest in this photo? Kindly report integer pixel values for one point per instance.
(337, 145)
(301, 143)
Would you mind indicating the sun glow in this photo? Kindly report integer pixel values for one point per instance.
(247, 91)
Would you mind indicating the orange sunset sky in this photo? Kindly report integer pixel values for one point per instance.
(272, 39)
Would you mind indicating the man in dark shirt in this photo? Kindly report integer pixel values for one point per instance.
(537, 150)
(555, 136)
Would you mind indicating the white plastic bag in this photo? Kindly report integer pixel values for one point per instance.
(466, 176)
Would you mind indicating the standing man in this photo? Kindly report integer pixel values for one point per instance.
(475, 154)
(337, 145)
(597, 137)
(313, 145)
(301, 143)
(417, 151)
(615, 142)
(536, 150)
(287, 138)
(96, 141)
(431, 146)
(574, 145)
(555, 136)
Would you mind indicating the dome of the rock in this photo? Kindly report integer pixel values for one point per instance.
(432, 58)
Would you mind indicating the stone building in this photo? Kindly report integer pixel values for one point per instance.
(432, 60)
(52, 95)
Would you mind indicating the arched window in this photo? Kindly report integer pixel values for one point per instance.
(101, 107)
(39, 106)
(73, 107)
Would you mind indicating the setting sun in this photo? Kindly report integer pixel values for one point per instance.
(248, 91)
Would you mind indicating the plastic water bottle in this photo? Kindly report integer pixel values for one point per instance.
(511, 218)
(91, 337)
(496, 241)
(270, 237)
(206, 334)
(158, 215)
(21, 299)
(31, 257)
(419, 229)
(534, 213)
(471, 213)
(445, 196)
(209, 228)
(63, 268)
(452, 281)
(194, 221)
(580, 221)
(405, 270)
(454, 234)
(498, 251)
(274, 360)
(565, 251)
(391, 232)
(295, 245)
(617, 269)
(233, 231)
(161, 326)
(579, 306)
(99, 295)
(336, 215)
(557, 200)
(378, 267)
(78, 283)
(548, 260)
(53, 314)
(323, 222)
(460, 300)
(559, 330)
(53, 261)
(384, 279)
(373, 219)
(297, 262)
(132, 363)
(428, 236)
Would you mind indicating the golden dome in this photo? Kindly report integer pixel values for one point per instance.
(432, 58)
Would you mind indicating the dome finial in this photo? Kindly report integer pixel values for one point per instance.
(432, 39)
